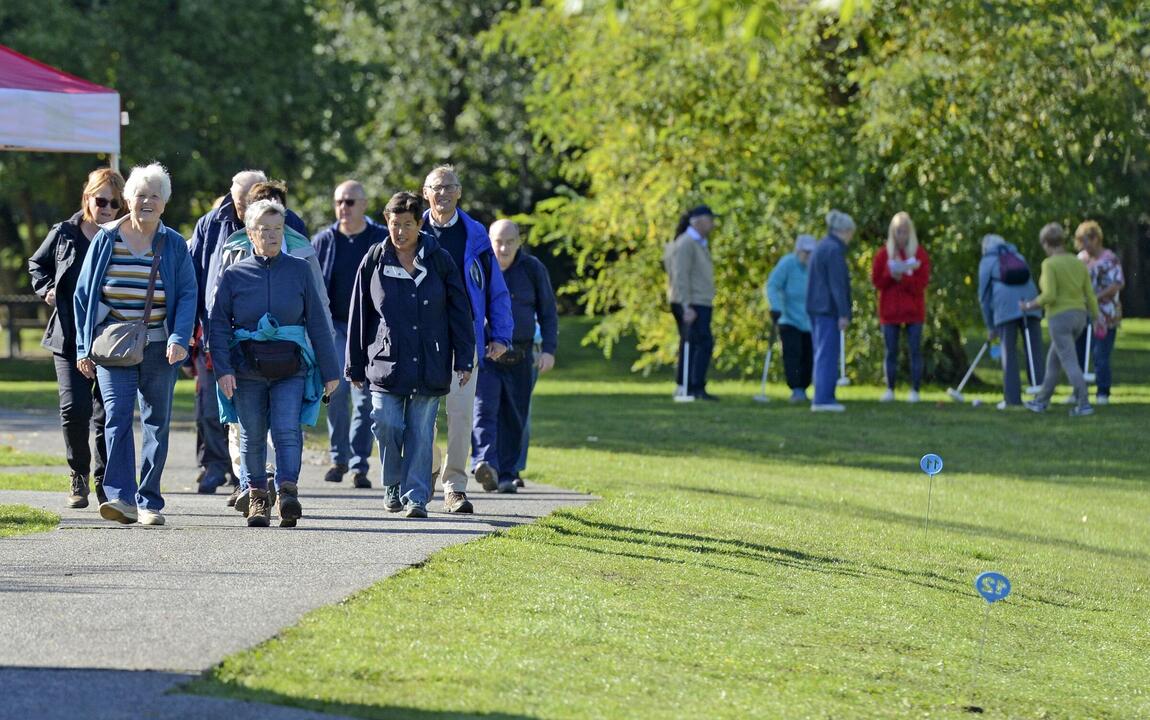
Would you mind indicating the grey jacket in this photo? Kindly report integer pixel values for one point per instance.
(1000, 301)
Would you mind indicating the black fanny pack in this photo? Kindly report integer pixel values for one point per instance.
(517, 353)
(273, 359)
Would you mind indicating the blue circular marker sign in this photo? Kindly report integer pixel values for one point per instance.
(992, 586)
(931, 464)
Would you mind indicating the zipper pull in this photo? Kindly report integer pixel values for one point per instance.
(436, 346)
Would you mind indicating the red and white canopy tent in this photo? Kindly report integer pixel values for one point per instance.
(43, 109)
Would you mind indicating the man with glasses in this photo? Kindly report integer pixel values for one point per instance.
(340, 249)
(467, 241)
(206, 248)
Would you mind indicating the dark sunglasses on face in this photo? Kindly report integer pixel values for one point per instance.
(346, 201)
(105, 202)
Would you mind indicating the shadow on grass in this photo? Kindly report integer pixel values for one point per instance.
(871, 436)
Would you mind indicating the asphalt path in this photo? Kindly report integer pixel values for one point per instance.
(102, 620)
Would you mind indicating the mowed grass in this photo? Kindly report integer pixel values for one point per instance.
(20, 470)
(752, 560)
(23, 520)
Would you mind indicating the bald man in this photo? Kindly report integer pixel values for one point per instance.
(340, 249)
(505, 383)
(206, 248)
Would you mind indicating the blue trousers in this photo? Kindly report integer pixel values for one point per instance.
(825, 334)
(405, 428)
(502, 401)
(263, 405)
(152, 384)
(1100, 351)
(521, 463)
(349, 431)
(698, 334)
(890, 335)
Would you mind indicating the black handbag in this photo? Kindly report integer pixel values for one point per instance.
(273, 359)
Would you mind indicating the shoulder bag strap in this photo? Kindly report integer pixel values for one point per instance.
(152, 278)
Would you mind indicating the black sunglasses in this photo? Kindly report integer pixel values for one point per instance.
(346, 201)
(105, 202)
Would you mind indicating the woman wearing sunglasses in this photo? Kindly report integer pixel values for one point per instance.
(54, 269)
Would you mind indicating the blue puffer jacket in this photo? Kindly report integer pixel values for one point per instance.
(999, 301)
(490, 300)
(406, 333)
(175, 272)
(787, 292)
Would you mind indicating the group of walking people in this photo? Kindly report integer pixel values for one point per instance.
(809, 294)
(379, 321)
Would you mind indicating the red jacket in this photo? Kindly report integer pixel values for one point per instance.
(901, 302)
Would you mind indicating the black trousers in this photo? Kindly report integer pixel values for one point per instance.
(698, 333)
(81, 406)
(798, 356)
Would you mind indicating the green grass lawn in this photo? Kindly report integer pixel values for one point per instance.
(23, 520)
(755, 560)
(53, 477)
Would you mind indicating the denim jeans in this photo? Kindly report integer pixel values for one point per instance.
(405, 426)
(890, 335)
(211, 434)
(825, 334)
(263, 405)
(521, 463)
(349, 431)
(502, 399)
(152, 383)
(81, 406)
(1100, 352)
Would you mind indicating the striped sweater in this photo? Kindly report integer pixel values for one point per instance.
(125, 287)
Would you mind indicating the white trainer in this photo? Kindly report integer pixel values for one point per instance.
(887, 395)
(829, 407)
(1102, 400)
(913, 397)
(151, 517)
(118, 511)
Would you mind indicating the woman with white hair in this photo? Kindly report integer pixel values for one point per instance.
(829, 305)
(900, 274)
(1005, 280)
(271, 347)
(787, 294)
(137, 270)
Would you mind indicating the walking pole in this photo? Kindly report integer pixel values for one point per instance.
(686, 396)
(1033, 388)
(1086, 374)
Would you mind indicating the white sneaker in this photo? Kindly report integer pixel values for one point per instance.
(913, 397)
(1001, 405)
(829, 407)
(1102, 400)
(887, 395)
(150, 517)
(118, 511)
(679, 391)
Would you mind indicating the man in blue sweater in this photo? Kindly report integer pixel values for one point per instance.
(467, 242)
(829, 305)
(503, 395)
(340, 249)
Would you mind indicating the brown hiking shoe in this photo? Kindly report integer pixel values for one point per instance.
(457, 502)
(259, 512)
(79, 496)
(288, 507)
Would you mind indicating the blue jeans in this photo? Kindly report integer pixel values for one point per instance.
(825, 333)
(350, 432)
(914, 344)
(502, 399)
(263, 405)
(521, 463)
(151, 383)
(405, 428)
(211, 435)
(1100, 351)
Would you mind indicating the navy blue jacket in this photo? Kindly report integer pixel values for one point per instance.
(531, 297)
(490, 303)
(829, 280)
(212, 231)
(324, 243)
(282, 287)
(56, 266)
(406, 333)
